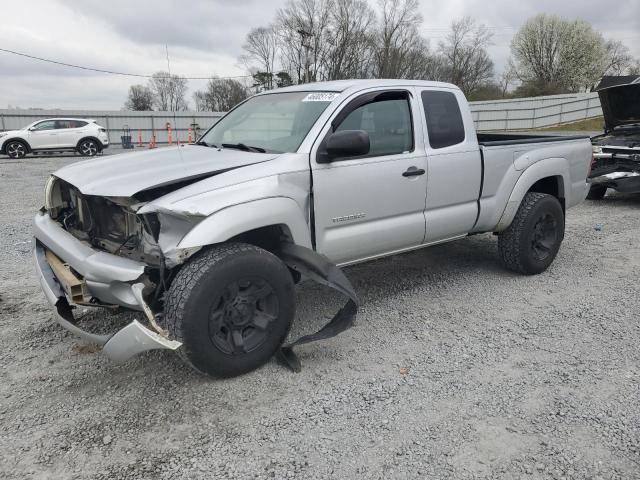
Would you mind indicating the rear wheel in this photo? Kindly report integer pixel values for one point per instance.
(597, 192)
(533, 239)
(16, 149)
(231, 306)
(88, 148)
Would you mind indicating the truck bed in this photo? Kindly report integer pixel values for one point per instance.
(501, 139)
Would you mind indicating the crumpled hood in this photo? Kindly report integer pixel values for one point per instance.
(126, 174)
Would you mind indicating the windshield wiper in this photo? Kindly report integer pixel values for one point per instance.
(205, 144)
(243, 147)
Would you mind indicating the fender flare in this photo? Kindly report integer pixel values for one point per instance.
(549, 167)
(236, 219)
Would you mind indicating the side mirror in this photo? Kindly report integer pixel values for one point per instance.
(347, 144)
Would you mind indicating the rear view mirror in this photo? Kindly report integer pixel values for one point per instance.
(347, 144)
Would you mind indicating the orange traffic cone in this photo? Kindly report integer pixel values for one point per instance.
(169, 139)
(139, 138)
(190, 139)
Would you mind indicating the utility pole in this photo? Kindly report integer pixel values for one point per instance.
(305, 41)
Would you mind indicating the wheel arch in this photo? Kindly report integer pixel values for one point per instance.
(3, 149)
(550, 176)
(263, 223)
(90, 137)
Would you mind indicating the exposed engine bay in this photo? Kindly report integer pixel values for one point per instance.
(108, 224)
(617, 151)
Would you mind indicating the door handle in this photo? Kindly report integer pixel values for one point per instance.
(414, 172)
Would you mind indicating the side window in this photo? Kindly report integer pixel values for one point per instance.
(387, 120)
(46, 125)
(63, 124)
(78, 124)
(444, 120)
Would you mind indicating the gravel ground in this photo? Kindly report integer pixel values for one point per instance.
(455, 369)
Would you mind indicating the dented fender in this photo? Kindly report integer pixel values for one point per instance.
(236, 219)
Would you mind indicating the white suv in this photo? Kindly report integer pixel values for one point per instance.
(55, 134)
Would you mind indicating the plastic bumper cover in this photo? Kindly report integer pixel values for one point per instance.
(120, 346)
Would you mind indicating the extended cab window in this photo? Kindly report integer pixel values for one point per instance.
(387, 120)
(444, 120)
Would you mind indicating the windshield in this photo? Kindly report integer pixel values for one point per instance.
(276, 122)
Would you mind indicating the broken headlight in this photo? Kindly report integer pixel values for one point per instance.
(48, 190)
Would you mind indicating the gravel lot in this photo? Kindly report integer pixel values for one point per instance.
(455, 369)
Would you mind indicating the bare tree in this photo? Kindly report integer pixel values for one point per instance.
(261, 47)
(618, 58)
(350, 41)
(303, 28)
(220, 95)
(634, 68)
(564, 55)
(507, 78)
(397, 37)
(465, 50)
(169, 91)
(140, 98)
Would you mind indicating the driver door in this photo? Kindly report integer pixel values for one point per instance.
(372, 205)
(43, 135)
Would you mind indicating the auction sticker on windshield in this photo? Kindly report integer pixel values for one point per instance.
(320, 97)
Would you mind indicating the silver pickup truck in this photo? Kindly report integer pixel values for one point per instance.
(207, 241)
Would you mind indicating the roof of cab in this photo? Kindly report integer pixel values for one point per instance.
(343, 85)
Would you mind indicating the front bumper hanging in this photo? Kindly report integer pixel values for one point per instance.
(131, 340)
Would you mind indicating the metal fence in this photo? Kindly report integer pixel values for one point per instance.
(538, 112)
(143, 124)
(515, 114)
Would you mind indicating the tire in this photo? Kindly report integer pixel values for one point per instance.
(533, 239)
(597, 192)
(16, 149)
(231, 306)
(88, 147)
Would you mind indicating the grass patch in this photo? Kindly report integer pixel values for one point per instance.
(590, 125)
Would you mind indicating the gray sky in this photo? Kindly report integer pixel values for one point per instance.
(205, 38)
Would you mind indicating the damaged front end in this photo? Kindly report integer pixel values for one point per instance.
(112, 224)
(99, 252)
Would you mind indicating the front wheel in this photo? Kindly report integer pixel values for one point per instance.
(88, 148)
(231, 306)
(16, 149)
(533, 239)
